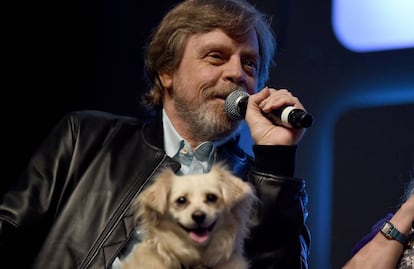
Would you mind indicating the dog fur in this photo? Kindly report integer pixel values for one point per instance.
(193, 221)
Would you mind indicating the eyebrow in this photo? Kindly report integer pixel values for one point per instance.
(251, 53)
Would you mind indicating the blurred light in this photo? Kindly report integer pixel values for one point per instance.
(374, 25)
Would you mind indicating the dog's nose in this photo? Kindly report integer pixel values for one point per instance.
(198, 216)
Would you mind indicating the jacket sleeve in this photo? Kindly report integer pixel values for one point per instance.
(25, 209)
(279, 237)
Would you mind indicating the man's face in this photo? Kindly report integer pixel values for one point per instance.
(212, 66)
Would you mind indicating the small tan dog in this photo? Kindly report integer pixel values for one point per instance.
(193, 221)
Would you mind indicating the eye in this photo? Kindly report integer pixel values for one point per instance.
(251, 66)
(211, 198)
(251, 63)
(215, 55)
(181, 200)
(215, 58)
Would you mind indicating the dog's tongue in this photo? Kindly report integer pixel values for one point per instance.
(199, 237)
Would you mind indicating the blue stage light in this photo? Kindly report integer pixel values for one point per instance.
(374, 25)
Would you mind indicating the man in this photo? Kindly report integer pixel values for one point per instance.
(71, 207)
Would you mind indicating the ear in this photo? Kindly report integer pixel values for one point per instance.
(234, 189)
(155, 197)
(166, 79)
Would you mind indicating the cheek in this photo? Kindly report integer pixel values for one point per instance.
(202, 76)
(180, 213)
(252, 86)
(174, 214)
(214, 209)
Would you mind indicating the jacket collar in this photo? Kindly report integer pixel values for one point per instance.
(153, 130)
(230, 152)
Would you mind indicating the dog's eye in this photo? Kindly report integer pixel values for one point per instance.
(181, 200)
(211, 198)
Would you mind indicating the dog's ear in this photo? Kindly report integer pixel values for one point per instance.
(234, 189)
(154, 199)
(239, 196)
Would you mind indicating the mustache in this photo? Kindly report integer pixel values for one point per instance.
(220, 92)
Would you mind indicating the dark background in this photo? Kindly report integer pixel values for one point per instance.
(61, 56)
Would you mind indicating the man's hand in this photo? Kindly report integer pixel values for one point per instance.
(262, 130)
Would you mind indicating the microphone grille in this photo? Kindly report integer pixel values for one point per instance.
(232, 107)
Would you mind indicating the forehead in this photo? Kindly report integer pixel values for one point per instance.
(218, 39)
(200, 183)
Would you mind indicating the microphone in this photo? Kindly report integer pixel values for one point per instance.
(289, 116)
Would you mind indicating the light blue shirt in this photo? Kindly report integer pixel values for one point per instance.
(198, 160)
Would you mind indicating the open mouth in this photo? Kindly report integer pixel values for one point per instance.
(199, 234)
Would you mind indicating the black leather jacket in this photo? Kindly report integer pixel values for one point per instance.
(70, 207)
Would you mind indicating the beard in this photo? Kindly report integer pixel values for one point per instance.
(207, 120)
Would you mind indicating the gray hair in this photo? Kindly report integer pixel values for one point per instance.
(235, 17)
(409, 190)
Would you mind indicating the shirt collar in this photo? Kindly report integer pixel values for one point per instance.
(172, 139)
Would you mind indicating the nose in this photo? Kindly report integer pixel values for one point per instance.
(234, 71)
(198, 216)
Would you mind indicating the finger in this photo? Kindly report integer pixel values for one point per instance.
(279, 98)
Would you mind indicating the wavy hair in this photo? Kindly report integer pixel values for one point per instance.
(235, 17)
(410, 189)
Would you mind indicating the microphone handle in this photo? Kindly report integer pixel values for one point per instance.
(290, 116)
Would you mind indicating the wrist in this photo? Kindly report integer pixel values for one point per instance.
(403, 219)
(392, 233)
